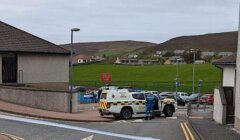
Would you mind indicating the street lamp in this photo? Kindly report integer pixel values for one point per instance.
(194, 55)
(71, 67)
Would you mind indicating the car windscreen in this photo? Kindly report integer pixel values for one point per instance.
(103, 96)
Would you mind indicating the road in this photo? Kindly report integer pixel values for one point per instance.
(159, 128)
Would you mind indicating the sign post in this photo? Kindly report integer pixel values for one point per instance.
(106, 77)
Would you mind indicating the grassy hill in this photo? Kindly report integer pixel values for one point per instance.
(159, 77)
(217, 42)
(209, 42)
(110, 48)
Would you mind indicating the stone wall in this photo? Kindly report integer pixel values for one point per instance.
(58, 101)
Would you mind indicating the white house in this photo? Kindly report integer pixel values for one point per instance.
(224, 96)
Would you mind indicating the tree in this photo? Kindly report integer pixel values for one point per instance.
(188, 55)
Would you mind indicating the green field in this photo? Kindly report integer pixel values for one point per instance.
(157, 77)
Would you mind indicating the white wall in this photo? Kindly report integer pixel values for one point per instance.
(219, 110)
(39, 68)
(228, 76)
(237, 88)
(0, 69)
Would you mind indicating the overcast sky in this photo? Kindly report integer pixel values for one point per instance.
(105, 20)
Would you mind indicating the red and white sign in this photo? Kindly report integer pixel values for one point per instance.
(106, 77)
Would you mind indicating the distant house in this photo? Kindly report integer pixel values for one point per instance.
(82, 58)
(136, 61)
(199, 62)
(224, 96)
(225, 54)
(207, 54)
(97, 58)
(159, 53)
(27, 59)
(175, 60)
(132, 56)
(178, 52)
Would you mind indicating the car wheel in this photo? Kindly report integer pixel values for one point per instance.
(168, 111)
(126, 113)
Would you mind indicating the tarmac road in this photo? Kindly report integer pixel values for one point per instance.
(160, 128)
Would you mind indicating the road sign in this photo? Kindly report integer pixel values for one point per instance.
(177, 83)
(106, 77)
(199, 83)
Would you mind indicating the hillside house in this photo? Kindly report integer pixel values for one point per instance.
(178, 52)
(27, 59)
(136, 61)
(225, 54)
(175, 60)
(81, 58)
(132, 56)
(207, 54)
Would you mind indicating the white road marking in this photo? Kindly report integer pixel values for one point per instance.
(88, 138)
(32, 121)
(172, 118)
(138, 120)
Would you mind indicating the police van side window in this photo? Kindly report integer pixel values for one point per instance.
(138, 96)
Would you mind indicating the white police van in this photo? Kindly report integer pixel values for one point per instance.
(123, 103)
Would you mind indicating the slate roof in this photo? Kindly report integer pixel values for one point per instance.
(228, 60)
(16, 40)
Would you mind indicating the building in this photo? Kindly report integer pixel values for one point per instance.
(136, 61)
(175, 60)
(199, 62)
(132, 56)
(224, 96)
(82, 58)
(207, 54)
(225, 54)
(178, 52)
(27, 59)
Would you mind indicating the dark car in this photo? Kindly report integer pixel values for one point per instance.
(193, 98)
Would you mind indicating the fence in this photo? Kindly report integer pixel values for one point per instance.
(185, 86)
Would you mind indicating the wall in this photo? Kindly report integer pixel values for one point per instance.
(237, 88)
(228, 76)
(219, 110)
(47, 68)
(0, 69)
(41, 99)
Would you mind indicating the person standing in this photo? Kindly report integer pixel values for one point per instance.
(149, 106)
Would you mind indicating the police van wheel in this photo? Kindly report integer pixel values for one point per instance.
(126, 113)
(168, 111)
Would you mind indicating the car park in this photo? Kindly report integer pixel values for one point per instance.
(123, 103)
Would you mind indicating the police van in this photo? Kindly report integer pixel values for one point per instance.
(123, 103)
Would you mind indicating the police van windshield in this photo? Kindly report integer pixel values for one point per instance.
(103, 96)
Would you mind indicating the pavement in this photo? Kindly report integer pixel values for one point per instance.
(81, 116)
(203, 125)
(2, 137)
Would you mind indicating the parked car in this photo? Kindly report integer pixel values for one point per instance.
(180, 101)
(183, 95)
(163, 95)
(193, 98)
(207, 99)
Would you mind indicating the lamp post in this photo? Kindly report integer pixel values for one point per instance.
(176, 80)
(194, 55)
(71, 67)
